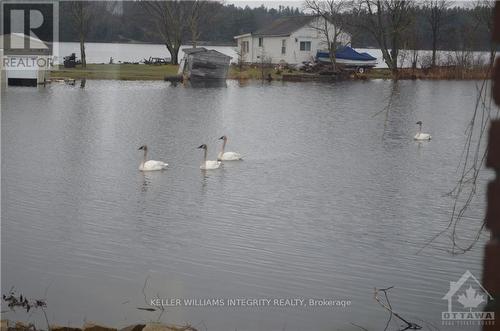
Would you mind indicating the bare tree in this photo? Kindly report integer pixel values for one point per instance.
(82, 13)
(435, 13)
(333, 25)
(414, 43)
(170, 19)
(462, 57)
(483, 14)
(387, 21)
(409, 48)
(194, 19)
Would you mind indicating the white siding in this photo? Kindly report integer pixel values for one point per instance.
(245, 56)
(271, 50)
(271, 46)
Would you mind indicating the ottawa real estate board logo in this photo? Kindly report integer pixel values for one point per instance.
(466, 301)
(29, 34)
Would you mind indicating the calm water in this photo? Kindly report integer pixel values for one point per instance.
(331, 200)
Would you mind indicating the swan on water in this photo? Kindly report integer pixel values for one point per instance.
(420, 135)
(150, 165)
(208, 165)
(227, 156)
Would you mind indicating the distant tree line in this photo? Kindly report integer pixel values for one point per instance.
(431, 24)
(130, 21)
(391, 25)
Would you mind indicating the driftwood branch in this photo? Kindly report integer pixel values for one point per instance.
(387, 306)
(160, 309)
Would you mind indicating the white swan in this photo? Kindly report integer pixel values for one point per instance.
(208, 165)
(420, 135)
(150, 165)
(227, 156)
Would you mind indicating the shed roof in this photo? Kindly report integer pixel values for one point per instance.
(189, 51)
(284, 26)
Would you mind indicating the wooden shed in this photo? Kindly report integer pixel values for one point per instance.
(201, 63)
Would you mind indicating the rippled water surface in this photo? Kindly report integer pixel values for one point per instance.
(333, 199)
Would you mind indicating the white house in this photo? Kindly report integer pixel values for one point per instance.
(288, 39)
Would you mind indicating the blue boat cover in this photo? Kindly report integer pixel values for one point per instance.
(347, 53)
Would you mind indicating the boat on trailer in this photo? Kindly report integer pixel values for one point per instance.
(349, 58)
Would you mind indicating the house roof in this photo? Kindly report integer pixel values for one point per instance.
(284, 26)
(194, 50)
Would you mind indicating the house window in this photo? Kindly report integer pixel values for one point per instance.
(244, 47)
(283, 46)
(305, 46)
(261, 42)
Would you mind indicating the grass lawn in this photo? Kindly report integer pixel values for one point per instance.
(117, 71)
(149, 72)
(253, 72)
